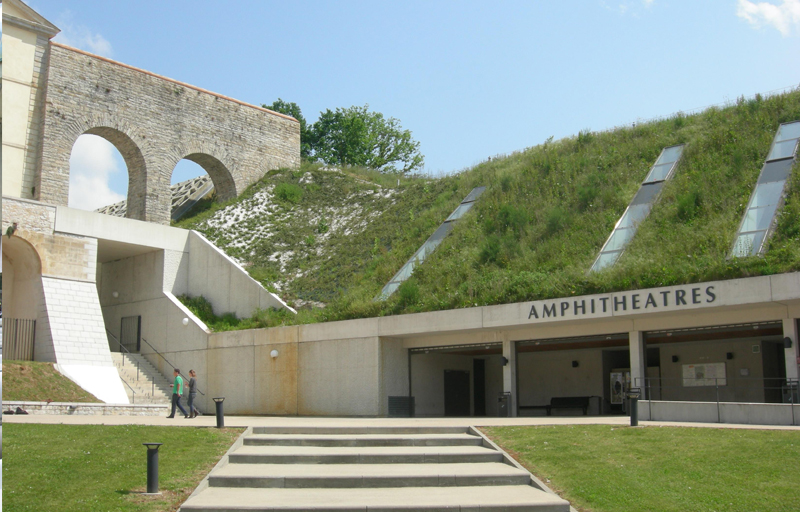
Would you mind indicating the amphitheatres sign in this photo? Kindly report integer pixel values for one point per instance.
(645, 301)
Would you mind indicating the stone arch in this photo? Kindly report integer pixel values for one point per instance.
(22, 279)
(215, 162)
(137, 169)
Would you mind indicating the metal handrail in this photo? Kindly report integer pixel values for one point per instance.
(123, 363)
(167, 361)
(734, 382)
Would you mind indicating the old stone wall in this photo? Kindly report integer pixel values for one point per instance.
(155, 122)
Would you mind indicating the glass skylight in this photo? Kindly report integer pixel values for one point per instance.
(640, 206)
(768, 195)
(430, 244)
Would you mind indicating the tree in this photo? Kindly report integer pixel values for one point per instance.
(292, 109)
(356, 136)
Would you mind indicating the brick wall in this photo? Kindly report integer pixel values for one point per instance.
(155, 122)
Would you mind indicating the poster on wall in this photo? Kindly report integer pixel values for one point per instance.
(709, 374)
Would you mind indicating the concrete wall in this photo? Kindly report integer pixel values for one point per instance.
(711, 412)
(394, 372)
(155, 122)
(543, 375)
(229, 288)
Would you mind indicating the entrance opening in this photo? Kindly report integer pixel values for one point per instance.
(462, 380)
(23, 296)
(569, 376)
(729, 363)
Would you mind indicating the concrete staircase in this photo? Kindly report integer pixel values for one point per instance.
(366, 469)
(151, 387)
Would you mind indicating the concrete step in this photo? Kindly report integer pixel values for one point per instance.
(362, 440)
(367, 475)
(363, 455)
(358, 430)
(507, 497)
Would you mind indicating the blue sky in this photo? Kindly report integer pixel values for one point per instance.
(469, 79)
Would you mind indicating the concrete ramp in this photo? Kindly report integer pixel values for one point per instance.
(367, 469)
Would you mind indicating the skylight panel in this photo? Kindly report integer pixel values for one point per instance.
(430, 244)
(639, 208)
(767, 197)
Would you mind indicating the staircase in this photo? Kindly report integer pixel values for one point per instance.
(372, 468)
(151, 387)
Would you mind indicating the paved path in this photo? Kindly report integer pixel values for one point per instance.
(299, 421)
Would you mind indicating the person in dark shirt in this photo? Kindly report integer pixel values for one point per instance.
(193, 411)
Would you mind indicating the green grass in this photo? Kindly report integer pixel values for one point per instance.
(39, 382)
(538, 227)
(602, 468)
(104, 468)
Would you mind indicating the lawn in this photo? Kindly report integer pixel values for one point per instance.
(39, 382)
(604, 468)
(104, 468)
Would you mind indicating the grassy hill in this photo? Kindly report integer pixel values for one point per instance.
(330, 237)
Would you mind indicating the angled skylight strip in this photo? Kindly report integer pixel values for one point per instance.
(767, 197)
(430, 244)
(640, 206)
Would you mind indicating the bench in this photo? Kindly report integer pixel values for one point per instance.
(563, 402)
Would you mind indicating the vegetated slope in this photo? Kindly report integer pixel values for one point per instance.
(537, 229)
(38, 382)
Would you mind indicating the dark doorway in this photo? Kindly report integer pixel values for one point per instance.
(479, 386)
(773, 360)
(456, 393)
(130, 335)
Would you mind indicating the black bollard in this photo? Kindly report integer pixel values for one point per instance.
(152, 467)
(220, 414)
(633, 396)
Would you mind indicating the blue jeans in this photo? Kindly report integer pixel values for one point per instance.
(176, 400)
(192, 408)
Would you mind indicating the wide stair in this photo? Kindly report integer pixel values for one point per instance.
(368, 469)
(151, 387)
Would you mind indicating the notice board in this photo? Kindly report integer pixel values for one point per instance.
(708, 374)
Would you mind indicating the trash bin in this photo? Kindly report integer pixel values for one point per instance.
(633, 396)
(504, 405)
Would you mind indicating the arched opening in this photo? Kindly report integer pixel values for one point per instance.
(197, 181)
(23, 297)
(107, 168)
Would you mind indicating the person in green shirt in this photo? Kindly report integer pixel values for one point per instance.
(177, 391)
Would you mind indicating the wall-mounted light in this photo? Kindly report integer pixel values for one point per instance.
(505, 360)
(729, 355)
(787, 342)
(115, 294)
(185, 321)
(273, 354)
(675, 359)
(574, 364)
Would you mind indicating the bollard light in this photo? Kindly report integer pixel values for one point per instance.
(152, 467)
(220, 415)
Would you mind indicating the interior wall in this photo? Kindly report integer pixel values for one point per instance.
(427, 380)
(739, 387)
(544, 375)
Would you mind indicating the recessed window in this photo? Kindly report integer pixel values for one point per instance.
(756, 219)
(670, 154)
(788, 131)
(748, 244)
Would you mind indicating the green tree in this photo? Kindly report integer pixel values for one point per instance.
(292, 109)
(356, 136)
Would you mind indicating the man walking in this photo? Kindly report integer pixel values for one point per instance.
(177, 391)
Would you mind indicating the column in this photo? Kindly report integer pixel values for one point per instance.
(790, 331)
(638, 360)
(510, 371)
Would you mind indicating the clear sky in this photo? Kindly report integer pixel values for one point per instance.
(469, 79)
